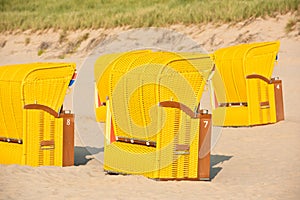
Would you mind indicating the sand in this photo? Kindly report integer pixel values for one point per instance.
(247, 163)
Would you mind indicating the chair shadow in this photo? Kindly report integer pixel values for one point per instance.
(81, 153)
(214, 160)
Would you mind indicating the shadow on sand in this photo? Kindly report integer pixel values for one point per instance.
(214, 160)
(81, 153)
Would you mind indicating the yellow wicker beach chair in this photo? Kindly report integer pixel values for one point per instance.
(251, 96)
(154, 124)
(34, 130)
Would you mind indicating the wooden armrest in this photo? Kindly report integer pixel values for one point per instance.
(180, 106)
(42, 107)
(11, 140)
(257, 76)
(136, 141)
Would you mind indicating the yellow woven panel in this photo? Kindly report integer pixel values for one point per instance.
(47, 87)
(235, 116)
(10, 109)
(102, 69)
(101, 72)
(271, 95)
(40, 127)
(11, 153)
(181, 131)
(260, 58)
(129, 158)
(100, 114)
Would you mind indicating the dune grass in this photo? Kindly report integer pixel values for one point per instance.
(80, 14)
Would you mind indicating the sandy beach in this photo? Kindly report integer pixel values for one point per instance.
(246, 163)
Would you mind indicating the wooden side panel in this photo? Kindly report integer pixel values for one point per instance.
(278, 100)
(68, 139)
(204, 147)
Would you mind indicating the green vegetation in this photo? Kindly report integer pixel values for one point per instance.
(43, 47)
(80, 14)
(62, 37)
(293, 22)
(40, 52)
(73, 46)
(290, 26)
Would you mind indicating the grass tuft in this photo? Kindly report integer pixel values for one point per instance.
(40, 52)
(73, 46)
(63, 37)
(294, 22)
(43, 47)
(291, 25)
